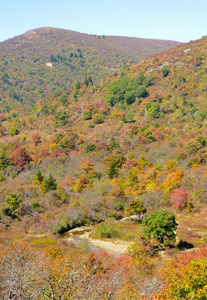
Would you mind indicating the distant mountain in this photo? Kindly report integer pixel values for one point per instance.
(44, 60)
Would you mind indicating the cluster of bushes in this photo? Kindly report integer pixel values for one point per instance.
(107, 229)
(125, 90)
(65, 224)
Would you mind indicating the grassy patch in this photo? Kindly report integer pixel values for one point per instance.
(46, 241)
(117, 230)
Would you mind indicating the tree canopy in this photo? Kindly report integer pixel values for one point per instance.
(160, 226)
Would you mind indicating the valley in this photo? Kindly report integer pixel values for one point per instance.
(88, 147)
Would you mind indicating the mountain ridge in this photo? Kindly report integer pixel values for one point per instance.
(46, 59)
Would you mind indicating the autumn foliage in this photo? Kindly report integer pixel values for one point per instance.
(185, 277)
(20, 157)
(179, 198)
(93, 153)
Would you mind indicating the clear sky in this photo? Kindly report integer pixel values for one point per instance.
(179, 20)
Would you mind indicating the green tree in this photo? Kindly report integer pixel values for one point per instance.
(128, 118)
(153, 109)
(63, 98)
(142, 92)
(12, 205)
(67, 143)
(88, 80)
(60, 118)
(160, 226)
(77, 86)
(38, 178)
(4, 161)
(110, 99)
(49, 184)
(129, 97)
(114, 163)
(113, 145)
(165, 70)
(53, 58)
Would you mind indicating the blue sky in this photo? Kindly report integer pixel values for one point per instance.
(182, 20)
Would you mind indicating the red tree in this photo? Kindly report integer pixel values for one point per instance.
(179, 198)
(20, 157)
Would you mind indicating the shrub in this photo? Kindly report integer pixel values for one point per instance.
(67, 143)
(86, 114)
(77, 188)
(170, 164)
(113, 145)
(128, 118)
(77, 86)
(36, 205)
(35, 139)
(90, 148)
(87, 166)
(97, 119)
(195, 144)
(63, 98)
(2, 178)
(119, 205)
(61, 227)
(22, 138)
(107, 230)
(185, 277)
(65, 225)
(13, 131)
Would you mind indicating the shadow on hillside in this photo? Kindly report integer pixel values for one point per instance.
(183, 245)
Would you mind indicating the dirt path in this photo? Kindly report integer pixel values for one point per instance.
(112, 247)
(116, 247)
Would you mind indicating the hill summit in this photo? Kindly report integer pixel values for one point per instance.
(43, 60)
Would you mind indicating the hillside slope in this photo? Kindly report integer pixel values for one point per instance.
(43, 60)
(141, 133)
(93, 154)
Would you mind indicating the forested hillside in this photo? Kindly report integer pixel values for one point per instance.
(43, 60)
(134, 143)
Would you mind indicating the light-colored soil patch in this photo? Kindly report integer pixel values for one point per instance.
(110, 246)
(37, 235)
(116, 247)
